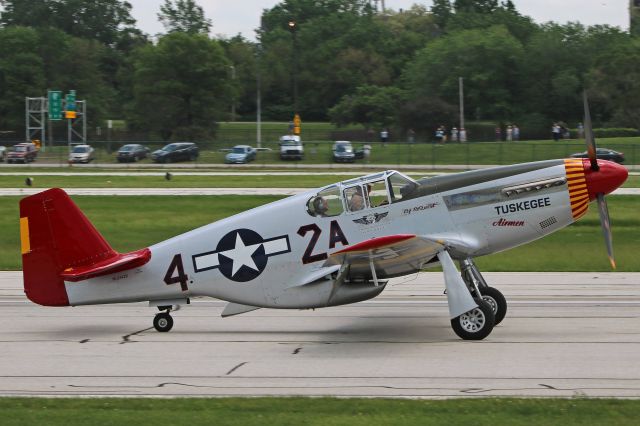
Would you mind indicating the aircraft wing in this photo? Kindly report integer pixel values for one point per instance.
(387, 256)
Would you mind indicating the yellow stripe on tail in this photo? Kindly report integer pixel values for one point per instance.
(25, 242)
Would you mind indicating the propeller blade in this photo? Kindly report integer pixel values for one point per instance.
(588, 134)
(606, 227)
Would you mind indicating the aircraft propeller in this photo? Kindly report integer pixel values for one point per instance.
(603, 210)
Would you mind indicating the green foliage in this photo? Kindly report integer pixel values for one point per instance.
(339, 45)
(612, 132)
(513, 68)
(183, 16)
(180, 86)
(614, 77)
(21, 73)
(487, 60)
(370, 105)
(106, 21)
(242, 58)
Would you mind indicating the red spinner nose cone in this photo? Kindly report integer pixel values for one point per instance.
(610, 176)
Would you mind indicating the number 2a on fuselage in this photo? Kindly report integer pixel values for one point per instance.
(283, 241)
(359, 208)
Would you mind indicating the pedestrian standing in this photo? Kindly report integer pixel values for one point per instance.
(509, 133)
(580, 131)
(516, 132)
(498, 133)
(462, 134)
(555, 131)
(384, 136)
(411, 136)
(454, 134)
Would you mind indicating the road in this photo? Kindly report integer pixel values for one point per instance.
(565, 335)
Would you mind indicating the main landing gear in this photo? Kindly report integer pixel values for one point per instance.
(475, 324)
(481, 290)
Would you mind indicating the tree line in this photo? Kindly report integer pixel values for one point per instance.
(349, 63)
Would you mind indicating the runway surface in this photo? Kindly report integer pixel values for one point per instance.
(566, 334)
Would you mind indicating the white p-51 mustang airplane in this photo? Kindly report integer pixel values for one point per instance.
(336, 245)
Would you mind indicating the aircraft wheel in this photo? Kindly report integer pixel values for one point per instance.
(498, 303)
(163, 322)
(475, 324)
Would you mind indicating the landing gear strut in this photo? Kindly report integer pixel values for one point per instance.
(480, 289)
(163, 321)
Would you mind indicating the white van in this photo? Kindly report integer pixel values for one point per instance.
(291, 148)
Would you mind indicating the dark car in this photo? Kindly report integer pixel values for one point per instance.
(343, 152)
(22, 153)
(177, 151)
(132, 152)
(603, 154)
(240, 154)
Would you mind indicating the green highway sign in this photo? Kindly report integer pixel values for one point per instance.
(55, 105)
(71, 100)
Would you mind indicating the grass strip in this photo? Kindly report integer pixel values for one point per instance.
(309, 180)
(317, 411)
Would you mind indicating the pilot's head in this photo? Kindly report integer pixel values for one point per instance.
(320, 205)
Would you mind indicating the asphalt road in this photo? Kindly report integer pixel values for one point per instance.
(565, 335)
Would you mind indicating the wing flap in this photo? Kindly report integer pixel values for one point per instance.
(387, 256)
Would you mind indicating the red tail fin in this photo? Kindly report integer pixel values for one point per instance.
(58, 242)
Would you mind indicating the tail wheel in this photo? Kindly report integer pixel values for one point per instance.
(497, 301)
(475, 324)
(163, 322)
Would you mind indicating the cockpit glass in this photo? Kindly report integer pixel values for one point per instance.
(326, 203)
(400, 187)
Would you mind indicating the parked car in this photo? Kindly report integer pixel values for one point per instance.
(82, 154)
(22, 153)
(177, 151)
(3, 153)
(132, 152)
(291, 147)
(343, 152)
(603, 154)
(240, 154)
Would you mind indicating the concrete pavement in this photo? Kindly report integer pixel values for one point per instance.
(565, 335)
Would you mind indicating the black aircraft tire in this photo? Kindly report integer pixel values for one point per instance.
(475, 324)
(498, 303)
(163, 322)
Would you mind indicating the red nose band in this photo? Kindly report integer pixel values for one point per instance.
(610, 176)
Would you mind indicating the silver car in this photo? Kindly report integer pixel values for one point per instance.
(82, 154)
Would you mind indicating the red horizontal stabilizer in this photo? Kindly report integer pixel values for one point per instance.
(376, 243)
(117, 263)
(58, 242)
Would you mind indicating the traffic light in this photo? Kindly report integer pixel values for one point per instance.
(70, 108)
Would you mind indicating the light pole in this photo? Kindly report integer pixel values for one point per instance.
(233, 93)
(461, 100)
(258, 97)
(293, 28)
